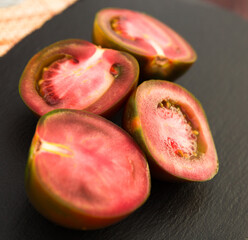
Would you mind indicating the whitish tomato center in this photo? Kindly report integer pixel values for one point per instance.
(54, 148)
(77, 83)
(181, 138)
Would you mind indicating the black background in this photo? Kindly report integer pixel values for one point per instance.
(217, 209)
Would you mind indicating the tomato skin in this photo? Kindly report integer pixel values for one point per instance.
(132, 123)
(77, 50)
(44, 196)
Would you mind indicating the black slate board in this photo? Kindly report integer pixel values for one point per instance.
(217, 209)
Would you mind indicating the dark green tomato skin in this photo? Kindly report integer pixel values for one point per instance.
(56, 209)
(104, 106)
(132, 124)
